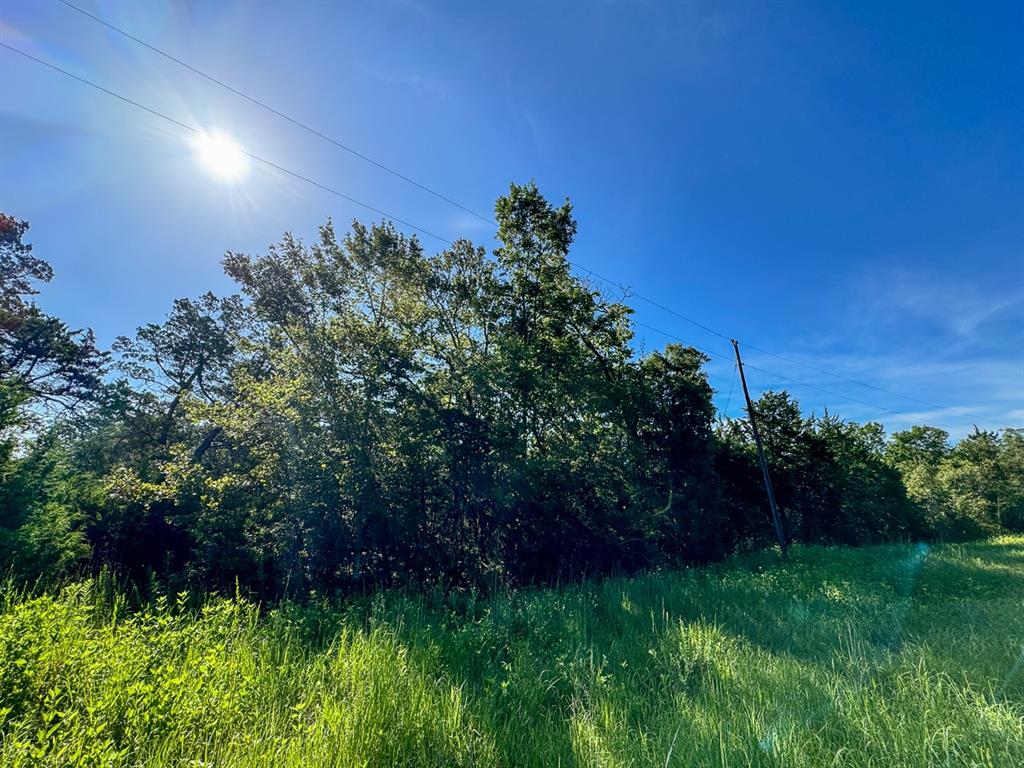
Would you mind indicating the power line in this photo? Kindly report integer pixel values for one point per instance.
(381, 212)
(275, 111)
(251, 155)
(301, 177)
(721, 335)
(708, 352)
(822, 389)
(305, 126)
(728, 400)
(652, 302)
(711, 353)
(844, 378)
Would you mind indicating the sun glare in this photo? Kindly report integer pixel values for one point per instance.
(221, 157)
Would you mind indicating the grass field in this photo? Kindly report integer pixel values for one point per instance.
(882, 656)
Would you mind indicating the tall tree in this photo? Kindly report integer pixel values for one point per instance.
(45, 367)
(560, 352)
(676, 430)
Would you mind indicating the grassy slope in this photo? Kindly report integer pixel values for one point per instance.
(882, 656)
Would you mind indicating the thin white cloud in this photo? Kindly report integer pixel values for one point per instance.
(955, 346)
(465, 225)
(963, 310)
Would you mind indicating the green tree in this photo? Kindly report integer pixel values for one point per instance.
(869, 498)
(45, 368)
(677, 434)
(367, 414)
(42, 361)
(561, 349)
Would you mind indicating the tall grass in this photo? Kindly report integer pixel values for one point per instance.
(882, 656)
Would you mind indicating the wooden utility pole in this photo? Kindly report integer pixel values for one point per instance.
(776, 519)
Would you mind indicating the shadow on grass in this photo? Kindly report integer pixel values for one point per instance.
(582, 673)
(825, 612)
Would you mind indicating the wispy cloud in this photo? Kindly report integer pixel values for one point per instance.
(466, 225)
(957, 347)
(429, 84)
(962, 310)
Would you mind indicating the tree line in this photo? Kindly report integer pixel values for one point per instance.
(363, 413)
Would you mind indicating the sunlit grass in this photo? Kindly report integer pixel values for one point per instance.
(882, 656)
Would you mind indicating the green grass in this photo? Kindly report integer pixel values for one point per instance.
(881, 656)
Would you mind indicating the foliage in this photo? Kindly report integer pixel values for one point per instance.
(41, 359)
(365, 414)
(973, 488)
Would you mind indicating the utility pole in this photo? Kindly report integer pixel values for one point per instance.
(776, 520)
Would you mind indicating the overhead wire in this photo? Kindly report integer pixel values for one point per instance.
(776, 374)
(253, 100)
(845, 378)
(250, 155)
(732, 385)
(721, 335)
(331, 190)
(430, 190)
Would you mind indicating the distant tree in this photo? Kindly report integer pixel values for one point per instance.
(1010, 498)
(966, 490)
(918, 446)
(830, 476)
(869, 498)
(981, 482)
(48, 503)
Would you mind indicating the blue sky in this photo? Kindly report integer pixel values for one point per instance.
(842, 184)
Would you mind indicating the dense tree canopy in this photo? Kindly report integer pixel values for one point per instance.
(366, 413)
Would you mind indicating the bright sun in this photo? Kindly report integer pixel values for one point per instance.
(222, 157)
